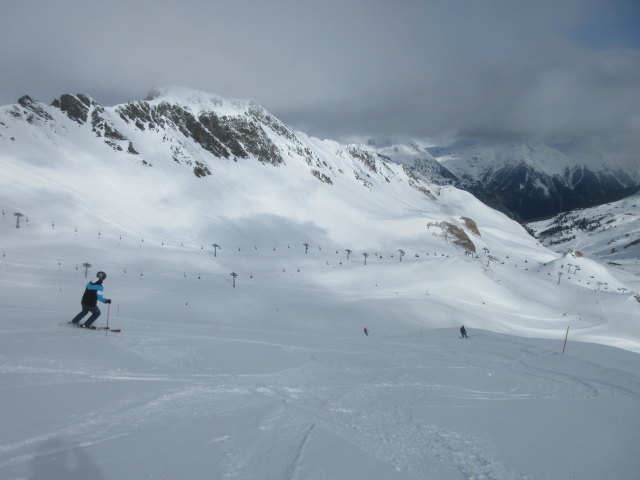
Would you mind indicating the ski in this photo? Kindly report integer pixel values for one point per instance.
(114, 330)
(97, 329)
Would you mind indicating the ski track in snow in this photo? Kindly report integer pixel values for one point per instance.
(290, 472)
(371, 407)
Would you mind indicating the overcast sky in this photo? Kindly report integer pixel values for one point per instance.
(560, 70)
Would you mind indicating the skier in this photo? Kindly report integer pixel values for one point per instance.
(92, 294)
(366, 331)
(463, 332)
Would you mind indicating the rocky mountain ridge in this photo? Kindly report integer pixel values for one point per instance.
(194, 132)
(526, 181)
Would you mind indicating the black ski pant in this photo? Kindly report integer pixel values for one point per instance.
(95, 313)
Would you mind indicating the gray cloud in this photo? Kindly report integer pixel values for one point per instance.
(494, 70)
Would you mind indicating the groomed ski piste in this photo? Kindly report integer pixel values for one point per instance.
(273, 378)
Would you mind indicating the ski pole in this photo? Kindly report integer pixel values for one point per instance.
(565, 341)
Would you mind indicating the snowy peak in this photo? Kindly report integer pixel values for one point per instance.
(486, 164)
(194, 127)
(530, 181)
(222, 135)
(417, 159)
(76, 107)
(197, 101)
(202, 132)
(476, 161)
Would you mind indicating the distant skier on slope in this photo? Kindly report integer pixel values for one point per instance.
(366, 331)
(463, 332)
(89, 302)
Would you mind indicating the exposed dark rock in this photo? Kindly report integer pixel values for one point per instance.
(34, 111)
(112, 133)
(76, 107)
(223, 132)
(104, 128)
(360, 178)
(97, 121)
(223, 137)
(114, 145)
(132, 150)
(255, 140)
(261, 116)
(189, 126)
(365, 157)
(138, 112)
(322, 177)
(201, 170)
(86, 99)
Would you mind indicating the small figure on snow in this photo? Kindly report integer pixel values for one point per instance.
(463, 332)
(366, 331)
(89, 302)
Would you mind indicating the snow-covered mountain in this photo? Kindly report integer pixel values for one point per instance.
(535, 180)
(244, 260)
(193, 168)
(608, 232)
(527, 181)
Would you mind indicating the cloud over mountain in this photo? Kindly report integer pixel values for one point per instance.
(492, 71)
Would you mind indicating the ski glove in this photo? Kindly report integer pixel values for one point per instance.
(108, 300)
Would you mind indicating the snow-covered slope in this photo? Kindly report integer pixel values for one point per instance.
(272, 377)
(228, 398)
(609, 233)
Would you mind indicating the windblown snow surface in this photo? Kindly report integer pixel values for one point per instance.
(274, 378)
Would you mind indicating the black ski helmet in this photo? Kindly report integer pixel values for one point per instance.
(101, 275)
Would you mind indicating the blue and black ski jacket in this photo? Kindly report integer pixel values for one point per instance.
(92, 294)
